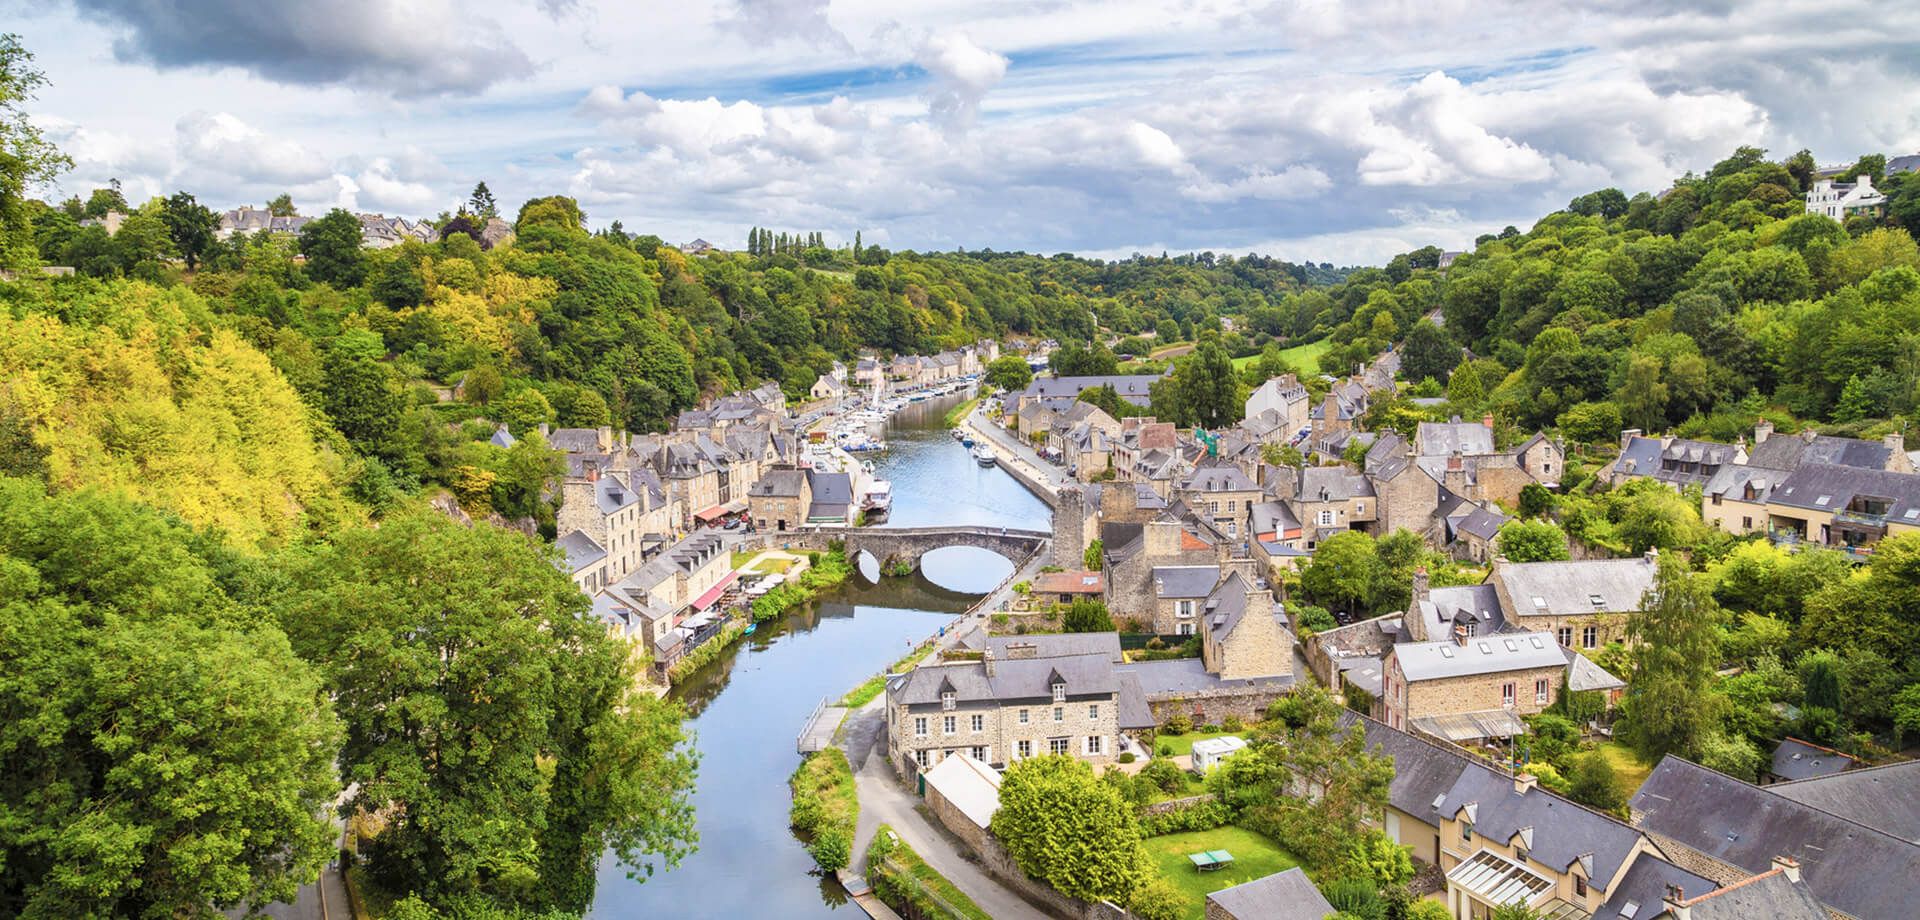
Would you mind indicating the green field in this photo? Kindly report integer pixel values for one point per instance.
(1182, 745)
(1254, 856)
(1304, 358)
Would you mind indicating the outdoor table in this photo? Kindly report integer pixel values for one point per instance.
(1221, 858)
(1201, 861)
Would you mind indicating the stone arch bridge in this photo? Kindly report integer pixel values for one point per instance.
(905, 545)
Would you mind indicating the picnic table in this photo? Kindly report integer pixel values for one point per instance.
(1211, 860)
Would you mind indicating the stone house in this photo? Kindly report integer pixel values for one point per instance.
(963, 794)
(1461, 456)
(1244, 633)
(1472, 531)
(1679, 462)
(1178, 593)
(1133, 552)
(1327, 500)
(1223, 494)
(1583, 604)
(778, 502)
(1842, 507)
(1082, 435)
(667, 604)
(1407, 495)
(827, 387)
(1479, 684)
(998, 711)
(867, 372)
(1287, 398)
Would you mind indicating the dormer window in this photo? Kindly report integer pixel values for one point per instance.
(947, 699)
(1059, 692)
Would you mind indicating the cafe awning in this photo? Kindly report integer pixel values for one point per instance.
(1499, 881)
(713, 594)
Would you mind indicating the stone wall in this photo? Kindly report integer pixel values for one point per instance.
(1171, 805)
(955, 820)
(995, 859)
(1208, 707)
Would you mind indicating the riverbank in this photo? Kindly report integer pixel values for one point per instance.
(1018, 460)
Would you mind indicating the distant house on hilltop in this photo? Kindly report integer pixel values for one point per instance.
(1841, 200)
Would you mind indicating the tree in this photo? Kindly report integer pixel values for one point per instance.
(1343, 571)
(1464, 391)
(1594, 783)
(1304, 747)
(191, 227)
(282, 206)
(482, 385)
(332, 247)
(163, 750)
(1731, 754)
(1107, 399)
(1532, 541)
(1094, 557)
(1087, 615)
(1590, 422)
(1009, 373)
(481, 203)
(1202, 390)
(1073, 359)
(1428, 352)
(1063, 826)
(1676, 646)
(26, 156)
(524, 752)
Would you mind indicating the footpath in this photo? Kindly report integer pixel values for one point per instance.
(1019, 459)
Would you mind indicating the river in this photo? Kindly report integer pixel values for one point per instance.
(745, 709)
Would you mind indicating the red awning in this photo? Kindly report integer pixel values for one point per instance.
(713, 594)
(711, 514)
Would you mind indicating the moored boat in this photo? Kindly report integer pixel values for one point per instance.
(984, 456)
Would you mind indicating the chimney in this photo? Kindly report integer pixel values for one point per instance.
(1896, 442)
(1676, 903)
(1455, 463)
(1420, 582)
(593, 472)
(1652, 555)
(987, 660)
(1762, 430)
(1523, 783)
(1788, 867)
(1627, 436)
(544, 430)
(1487, 420)
(606, 437)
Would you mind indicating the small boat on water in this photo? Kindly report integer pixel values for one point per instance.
(958, 434)
(984, 456)
(877, 501)
(966, 440)
(750, 628)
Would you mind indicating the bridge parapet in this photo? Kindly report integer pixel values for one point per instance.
(894, 546)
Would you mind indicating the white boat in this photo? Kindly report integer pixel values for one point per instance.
(877, 500)
(984, 456)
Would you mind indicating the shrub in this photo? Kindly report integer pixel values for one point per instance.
(1232, 724)
(1166, 750)
(1425, 909)
(1157, 900)
(1163, 775)
(1088, 616)
(832, 847)
(1594, 784)
(1356, 896)
(1375, 857)
(1177, 724)
(1199, 816)
(1126, 757)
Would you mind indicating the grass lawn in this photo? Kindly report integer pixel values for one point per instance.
(1627, 768)
(1183, 744)
(1254, 856)
(1190, 785)
(1303, 358)
(767, 566)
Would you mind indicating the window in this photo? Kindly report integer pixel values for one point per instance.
(919, 726)
(1540, 690)
(1325, 519)
(1183, 608)
(979, 722)
(949, 724)
(979, 753)
(1359, 507)
(1059, 692)
(1023, 717)
(1564, 635)
(1466, 831)
(1023, 749)
(1213, 507)
(1186, 629)
(1746, 523)
(1059, 713)
(1579, 886)
(1506, 694)
(946, 699)
(920, 757)
(1520, 854)
(1590, 637)
(1057, 745)
(1232, 530)
(1096, 744)
(1230, 504)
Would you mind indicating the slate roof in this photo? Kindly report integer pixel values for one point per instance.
(1482, 523)
(1475, 604)
(581, 550)
(1333, 483)
(1184, 581)
(1220, 478)
(575, 440)
(1058, 645)
(502, 438)
(1639, 893)
(1227, 605)
(1770, 894)
(1131, 387)
(1859, 870)
(1568, 588)
(1827, 487)
(1795, 759)
(1443, 659)
(1583, 674)
(1013, 679)
(1288, 895)
(1886, 798)
(1788, 452)
(1176, 676)
(1440, 439)
(611, 495)
(831, 488)
(779, 484)
(1732, 482)
(1682, 461)
(1431, 782)
(1274, 517)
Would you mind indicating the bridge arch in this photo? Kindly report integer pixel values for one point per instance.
(895, 548)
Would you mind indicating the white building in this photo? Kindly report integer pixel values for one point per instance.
(1841, 200)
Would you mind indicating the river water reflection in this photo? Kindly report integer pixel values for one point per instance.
(745, 709)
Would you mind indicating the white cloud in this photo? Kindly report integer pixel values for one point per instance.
(963, 72)
(1154, 147)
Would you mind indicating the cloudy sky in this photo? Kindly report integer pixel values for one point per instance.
(1322, 130)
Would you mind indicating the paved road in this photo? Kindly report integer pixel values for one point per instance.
(884, 801)
(306, 905)
(1008, 446)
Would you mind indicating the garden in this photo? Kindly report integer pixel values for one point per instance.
(1254, 857)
